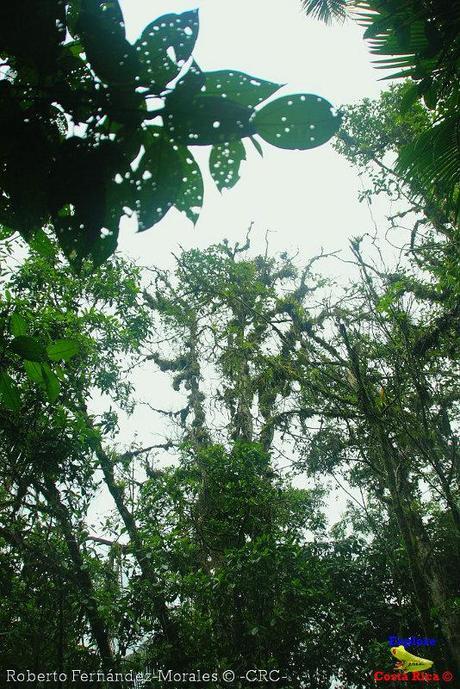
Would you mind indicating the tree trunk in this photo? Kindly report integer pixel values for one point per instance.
(167, 624)
(430, 589)
(82, 576)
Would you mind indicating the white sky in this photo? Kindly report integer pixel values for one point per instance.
(307, 199)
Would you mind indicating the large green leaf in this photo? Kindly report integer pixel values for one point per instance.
(62, 350)
(52, 385)
(101, 28)
(300, 121)
(18, 324)
(190, 197)
(29, 348)
(33, 370)
(75, 242)
(9, 394)
(87, 202)
(24, 184)
(165, 45)
(207, 120)
(160, 179)
(42, 245)
(224, 163)
(239, 87)
(187, 87)
(104, 246)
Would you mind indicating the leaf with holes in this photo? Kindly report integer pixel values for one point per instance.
(101, 28)
(74, 240)
(160, 180)
(207, 120)
(190, 197)
(28, 348)
(62, 350)
(103, 247)
(9, 394)
(239, 87)
(187, 87)
(224, 163)
(300, 121)
(165, 45)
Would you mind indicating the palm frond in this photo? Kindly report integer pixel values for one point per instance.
(432, 161)
(423, 36)
(421, 41)
(326, 10)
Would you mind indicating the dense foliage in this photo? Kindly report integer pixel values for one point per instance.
(216, 562)
(93, 127)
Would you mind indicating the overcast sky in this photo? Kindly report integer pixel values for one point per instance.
(307, 199)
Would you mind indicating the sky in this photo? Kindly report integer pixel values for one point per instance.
(307, 200)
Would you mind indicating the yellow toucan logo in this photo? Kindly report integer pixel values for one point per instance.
(408, 662)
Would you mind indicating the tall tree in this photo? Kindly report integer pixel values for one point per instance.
(219, 561)
(369, 373)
